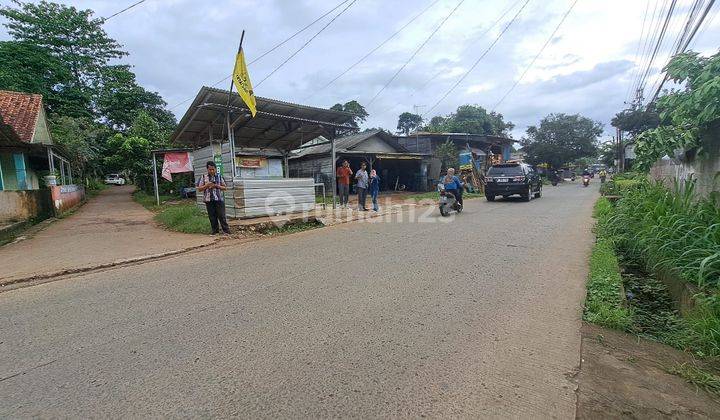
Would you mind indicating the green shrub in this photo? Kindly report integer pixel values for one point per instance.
(604, 302)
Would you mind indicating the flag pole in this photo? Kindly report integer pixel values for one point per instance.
(231, 133)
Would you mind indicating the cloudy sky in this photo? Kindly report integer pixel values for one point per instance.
(177, 46)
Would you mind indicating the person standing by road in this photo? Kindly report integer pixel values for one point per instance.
(362, 186)
(343, 181)
(374, 189)
(212, 186)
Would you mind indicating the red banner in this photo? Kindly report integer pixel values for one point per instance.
(176, 162)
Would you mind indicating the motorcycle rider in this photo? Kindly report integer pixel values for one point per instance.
(453, 185)
(603, 175)
(586, 177)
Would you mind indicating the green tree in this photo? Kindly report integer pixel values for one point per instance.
(73, 36)
(408, 121)
(636, 120)
(120, 98)
(131, 154)
(686, 115)
(26, 67)
(83, 142)
(353, 107)
(472, 119)
(448, 155)
(562, 139)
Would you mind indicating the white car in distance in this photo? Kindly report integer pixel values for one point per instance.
(114, 179)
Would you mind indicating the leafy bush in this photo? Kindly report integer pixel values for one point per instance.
(604, 303)
(670, 231)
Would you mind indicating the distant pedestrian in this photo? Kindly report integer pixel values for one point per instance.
(212, 186)
(374, 189)
(343, 181)
(362, 186)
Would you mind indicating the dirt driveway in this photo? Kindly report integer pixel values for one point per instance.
(109, 228)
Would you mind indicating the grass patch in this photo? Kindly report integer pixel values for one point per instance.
(699, 377)
(185, 218)
(604, 302)
(148, 200)
(179, 215)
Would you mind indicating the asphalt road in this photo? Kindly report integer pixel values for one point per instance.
(476, 317)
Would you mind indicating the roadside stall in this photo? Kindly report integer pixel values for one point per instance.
(252, 152)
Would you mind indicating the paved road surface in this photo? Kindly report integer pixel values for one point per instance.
(109, 228)
(475, 318)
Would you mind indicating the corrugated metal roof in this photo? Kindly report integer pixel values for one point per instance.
(278, 124)
(347, 143)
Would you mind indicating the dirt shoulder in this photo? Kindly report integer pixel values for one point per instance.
(623, 376)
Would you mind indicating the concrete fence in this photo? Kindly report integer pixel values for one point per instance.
(66, 197)
(39, 204)
(703, 168)
(23, 205)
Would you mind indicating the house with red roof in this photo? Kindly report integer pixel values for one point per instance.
(29, 160)
(27, 152)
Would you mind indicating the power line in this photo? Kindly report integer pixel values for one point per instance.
(637, 51)
(686, 43)
(682, 34)
(460, 80)
(416, 52)
(465, 50)
(276, 46)
(123, 10)
(306, 43)
(372, 51)
(537, 55)
(655, 22)
(668, 17)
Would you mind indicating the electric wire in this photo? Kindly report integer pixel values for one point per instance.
(371, 52)
(462, 78)
(465, 50)
(637, 51)
(658, 44)
(653, 29)
(442, 23)
(123, 10)
(687, 42)
(275, 47)
(306, 43)
(550, 38)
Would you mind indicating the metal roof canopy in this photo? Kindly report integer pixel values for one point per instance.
(277, 124)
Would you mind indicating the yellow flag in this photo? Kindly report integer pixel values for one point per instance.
(241, 80)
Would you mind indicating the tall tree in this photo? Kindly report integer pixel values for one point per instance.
(636, 120)
(120, 98)
(73, 36)
(472, 119)
(408, 121)
(26, 67)
(562, 139)
(353, 107)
